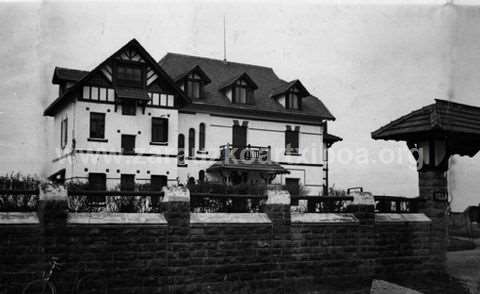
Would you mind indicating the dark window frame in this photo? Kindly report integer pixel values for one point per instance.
(189, 83)
(289, 95)
(156, 182)
(97, 125)
(241, 85)
(130, 82)
(191, 142)
(201, 136)
(127, 182)
(64, 132)
(129, 107)
(124, 144)
(159, 135)
(94, 180)
(292, 144)
(293, 185)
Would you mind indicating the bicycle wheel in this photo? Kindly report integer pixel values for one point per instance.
(91, 284)
(39, 287)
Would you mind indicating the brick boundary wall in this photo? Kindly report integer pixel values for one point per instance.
(181, 252)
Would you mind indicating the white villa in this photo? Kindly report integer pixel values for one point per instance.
(185, 118)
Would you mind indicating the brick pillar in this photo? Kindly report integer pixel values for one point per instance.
(363, 207)
(433, 191)
(278, 210)
(176, 207)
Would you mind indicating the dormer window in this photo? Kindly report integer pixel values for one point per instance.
(239, 89)
(290, 95)
(293, 99)
(194, 86)
(242, 93)
(129, 74)
(193, 82)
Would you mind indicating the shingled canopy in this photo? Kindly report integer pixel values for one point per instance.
(457, 124)
(268, 168)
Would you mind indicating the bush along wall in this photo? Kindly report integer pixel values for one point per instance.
(176, 251)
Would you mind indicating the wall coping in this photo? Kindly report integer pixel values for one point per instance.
(176, 194)
(337, 218)
(401, 217)
(106, 218)
(229, 218)
(281, 197)
(19, 218)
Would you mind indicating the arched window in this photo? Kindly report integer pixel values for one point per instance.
(201, 134)
(181, 149)
(191, 142)
(201, 176)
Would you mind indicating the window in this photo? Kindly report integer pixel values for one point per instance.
(97, 125)
(292, 185)
(201, 135)
(129, 107)
(158, 182)
(181, 149)
(127, 182)
(128, 144)
(242, 94)
(293, 99)
(291, 142)
(191, 142)
(97, 181)
(160, 130)
(64, 133)
(130, 75)
(194, 86)
(201, 176)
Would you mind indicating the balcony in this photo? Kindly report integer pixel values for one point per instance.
(245, 154)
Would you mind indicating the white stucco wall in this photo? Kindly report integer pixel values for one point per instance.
(260, 133)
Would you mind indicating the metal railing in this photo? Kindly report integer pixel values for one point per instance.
(248, 152)
(233, 203)
(114, 201)
(339, 204)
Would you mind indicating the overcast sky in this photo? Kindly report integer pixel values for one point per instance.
(369, 64)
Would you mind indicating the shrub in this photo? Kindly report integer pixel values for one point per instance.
(11, 199)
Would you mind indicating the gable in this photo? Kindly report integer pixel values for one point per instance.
(131, 52)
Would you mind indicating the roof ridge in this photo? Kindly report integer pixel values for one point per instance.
(217, 60)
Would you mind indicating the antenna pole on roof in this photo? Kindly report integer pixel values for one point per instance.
(224, 41)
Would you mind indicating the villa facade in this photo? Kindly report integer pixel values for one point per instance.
(133, 120)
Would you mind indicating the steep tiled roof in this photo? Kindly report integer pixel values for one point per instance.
(440, 116)
(67, 74)
(221, 72)
(458, 123)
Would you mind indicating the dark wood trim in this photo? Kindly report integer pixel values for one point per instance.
(159, 143)
(292, 154)
(187, 112)
(261, 118)
(102, 140)
(126, 154)
(300, 164)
